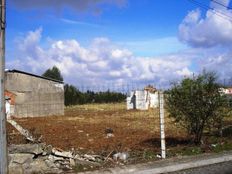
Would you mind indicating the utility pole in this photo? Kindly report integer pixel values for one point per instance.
(3, 144)
(162, 134)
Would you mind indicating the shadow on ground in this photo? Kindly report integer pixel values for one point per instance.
(170, 141)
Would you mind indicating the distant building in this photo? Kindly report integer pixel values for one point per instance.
(227, 91)
(30, 95)
(143, 99)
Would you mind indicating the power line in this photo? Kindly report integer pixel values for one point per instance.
(219, 13)
(216, 12)
(221, 4)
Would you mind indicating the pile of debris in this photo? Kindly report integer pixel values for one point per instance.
(40, 158)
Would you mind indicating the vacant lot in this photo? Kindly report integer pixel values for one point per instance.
(85, 128)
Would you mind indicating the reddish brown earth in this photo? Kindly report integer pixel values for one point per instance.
(83, 128)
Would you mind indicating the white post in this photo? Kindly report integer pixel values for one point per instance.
(3, 144)
(162, 134)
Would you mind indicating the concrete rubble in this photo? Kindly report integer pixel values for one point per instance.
(109, 133)
(42, 158)
(123, 156)
(23, 131)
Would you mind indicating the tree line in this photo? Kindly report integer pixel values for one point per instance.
(73, 95)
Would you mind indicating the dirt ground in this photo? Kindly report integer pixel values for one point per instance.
(84, 128)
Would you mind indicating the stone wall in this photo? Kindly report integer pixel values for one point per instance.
(35, 96)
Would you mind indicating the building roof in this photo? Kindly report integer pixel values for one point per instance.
(23, 72)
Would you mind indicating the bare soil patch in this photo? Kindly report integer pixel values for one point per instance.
(83, 128)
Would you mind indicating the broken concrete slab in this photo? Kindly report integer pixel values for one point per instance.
(47, 150)
(29, 158)
(55, 158)
(72, 162)
(23, 131)
(26, 148)
(20, 158)
(40, 165)
(77, 156)
(40, 158)
(89, 157)
(57, 152)
(15, 168)
(123, 156)
(86, 163)
(51, 164)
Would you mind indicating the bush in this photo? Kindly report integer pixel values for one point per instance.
(196, 103)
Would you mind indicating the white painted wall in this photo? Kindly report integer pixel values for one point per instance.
(142, 100)
(7, 105)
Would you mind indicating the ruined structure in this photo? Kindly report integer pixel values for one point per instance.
(32, 95)
(143, 99)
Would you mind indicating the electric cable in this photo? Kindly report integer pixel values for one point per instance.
(216, 12)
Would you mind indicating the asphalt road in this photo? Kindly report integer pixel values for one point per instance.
(220, 168)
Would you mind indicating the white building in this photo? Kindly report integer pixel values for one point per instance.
(227, 91)
(142, 99)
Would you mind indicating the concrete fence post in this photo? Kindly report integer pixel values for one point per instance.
(3, 144)
(162, 133)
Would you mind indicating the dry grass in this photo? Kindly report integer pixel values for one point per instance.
(118, 114)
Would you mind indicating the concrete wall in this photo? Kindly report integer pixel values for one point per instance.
(142, 100)
(35, 96)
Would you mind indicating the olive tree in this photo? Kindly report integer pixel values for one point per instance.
(196, 102)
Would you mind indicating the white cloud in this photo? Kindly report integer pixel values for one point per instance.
(100, 63)
(32, 37)
(152, 47)
(104, 62)
(210, 38)
(184, 72)
(220, 63)
(212, 30)
(117, 53)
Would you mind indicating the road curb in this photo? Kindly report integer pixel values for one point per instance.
(169, 165)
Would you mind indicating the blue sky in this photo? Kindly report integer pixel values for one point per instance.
(118, 40)
(136, 21)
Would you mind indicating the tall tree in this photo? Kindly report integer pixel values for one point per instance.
(53, 73)
(196, 103)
